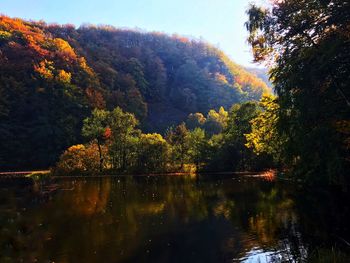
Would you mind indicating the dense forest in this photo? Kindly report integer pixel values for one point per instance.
(304, 130)
(53, 76)
(220, 141)
(307, 44)
(149, 102)
(120, 145)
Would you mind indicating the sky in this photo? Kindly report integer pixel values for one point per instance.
(219, 22)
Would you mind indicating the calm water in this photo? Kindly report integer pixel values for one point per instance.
(170, 219)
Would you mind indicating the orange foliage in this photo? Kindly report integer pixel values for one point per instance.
(33, 37)
(44, 69)
(84, 66)
(64, 76)
(181, 39)
(64, 50)
(28, 40)
(80, 159)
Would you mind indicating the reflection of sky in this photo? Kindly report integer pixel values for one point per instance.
(258, 255)
(220, 22)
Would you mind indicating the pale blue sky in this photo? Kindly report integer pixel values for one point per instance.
(220, 22)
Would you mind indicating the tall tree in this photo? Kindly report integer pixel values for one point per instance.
(197, 146)
(238, 125)
(152, 154)
(178, 138)
(124, 134)
(96, 128)
(308, 44)
(264, 137)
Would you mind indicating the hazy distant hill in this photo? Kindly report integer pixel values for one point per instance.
(261, 73)
(51, 76)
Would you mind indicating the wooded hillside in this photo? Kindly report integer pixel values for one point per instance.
(52, 76)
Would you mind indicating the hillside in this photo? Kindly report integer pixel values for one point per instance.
(52, 76)
(261, 73)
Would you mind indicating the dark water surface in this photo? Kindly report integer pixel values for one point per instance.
(170, 219)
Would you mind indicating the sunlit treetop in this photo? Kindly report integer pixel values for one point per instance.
(283, 26)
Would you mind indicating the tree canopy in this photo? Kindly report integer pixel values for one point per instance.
(307, 43)
(53, 76)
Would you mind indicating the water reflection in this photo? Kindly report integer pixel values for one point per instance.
(168, 219)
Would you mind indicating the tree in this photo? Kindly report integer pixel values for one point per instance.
(53, 76)
(178, 138)
(264, 136)
(152, 153)
(307, 43)
(136, 69)
(79, 159)
(123, 138)
(216, 122)
(238, 125)
(195, 120)
(95, 128)
(197, 146)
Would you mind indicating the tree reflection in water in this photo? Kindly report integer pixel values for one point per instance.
(169, 219)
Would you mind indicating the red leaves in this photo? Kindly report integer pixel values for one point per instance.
(108, 133)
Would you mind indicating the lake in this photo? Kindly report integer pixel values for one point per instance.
(221, 218)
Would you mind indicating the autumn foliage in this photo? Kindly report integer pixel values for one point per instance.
(79, 159)
(52, 76)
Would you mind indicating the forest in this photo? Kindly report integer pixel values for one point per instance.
(307, 44)
(53, 76)
(120, 145)
(101, 99)
(221, 141)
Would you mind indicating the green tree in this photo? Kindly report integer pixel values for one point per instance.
(238, 125)
(178, 138)
(264, 136)
(94, 128)
(123, 138)
(197, 146)
(307, 42)
(216, 122)
(152, 153)
(136, 69)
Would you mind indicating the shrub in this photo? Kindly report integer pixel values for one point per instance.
(79, 159)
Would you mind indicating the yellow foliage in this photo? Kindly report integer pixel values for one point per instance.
(64, 76)
(44, 69)
(80, 159)
(153, 138)
(78, 147)
(264, 137)
(83, 64)
(64, 48)
(5, 34)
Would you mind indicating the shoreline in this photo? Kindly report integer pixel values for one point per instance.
(30, 174)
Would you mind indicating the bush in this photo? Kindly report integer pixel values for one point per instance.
(79, 159)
